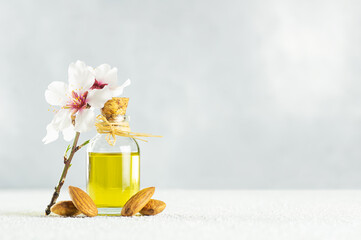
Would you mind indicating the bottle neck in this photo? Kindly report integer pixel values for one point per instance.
(120, 122)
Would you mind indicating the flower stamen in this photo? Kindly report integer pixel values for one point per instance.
(77, 101)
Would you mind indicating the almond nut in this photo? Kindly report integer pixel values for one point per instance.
(137, 201)
(153, 207)
(83, 201)
(65, 208)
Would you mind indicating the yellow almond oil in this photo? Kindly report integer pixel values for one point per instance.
(112, 178)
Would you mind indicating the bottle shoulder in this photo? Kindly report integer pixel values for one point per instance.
(122, 144)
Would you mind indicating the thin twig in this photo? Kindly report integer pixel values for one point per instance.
(82, 145)
(67, 162)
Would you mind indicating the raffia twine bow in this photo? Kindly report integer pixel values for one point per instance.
(113, 129)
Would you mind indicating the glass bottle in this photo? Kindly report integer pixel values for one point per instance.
(112, 171)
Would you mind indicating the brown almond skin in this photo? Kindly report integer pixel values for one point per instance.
(137, 202)
(153, 207)
(83, 202)
(65, 208)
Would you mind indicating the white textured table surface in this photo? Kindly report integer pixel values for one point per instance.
(195, 215)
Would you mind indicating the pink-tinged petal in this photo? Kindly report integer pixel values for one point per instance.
(56, 93)
(106, 75)
(51, 134)
(97, 97)
(68, 133)
(98, 85)
(77, 101)
(80, 77)
(84, 121)
(119, 90)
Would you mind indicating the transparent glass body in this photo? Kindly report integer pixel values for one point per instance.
(112, 171)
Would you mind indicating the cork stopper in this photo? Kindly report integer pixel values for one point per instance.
(115, 107)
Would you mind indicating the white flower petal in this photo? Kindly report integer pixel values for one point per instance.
(101, 71)
(80, 77)
(84, 120)
(68, 133)
(62, 119)
(56, 93)
(91, 69)
(97, 97)
(119, 90)
(51, 134)
(105, 74)
(111, 77)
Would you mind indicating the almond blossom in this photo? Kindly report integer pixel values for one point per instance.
(87, 89)
(106, 78)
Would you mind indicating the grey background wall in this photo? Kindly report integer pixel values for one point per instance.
(247, 94)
